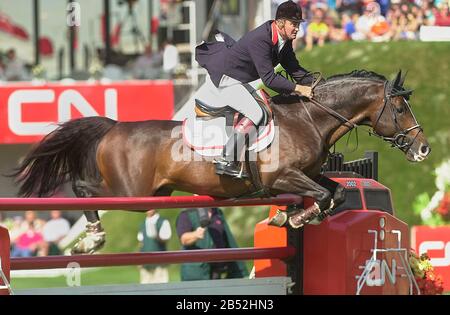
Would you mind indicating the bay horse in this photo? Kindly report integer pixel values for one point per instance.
(103, 157)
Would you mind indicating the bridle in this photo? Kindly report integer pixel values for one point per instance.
(399, 139)
(390, 91)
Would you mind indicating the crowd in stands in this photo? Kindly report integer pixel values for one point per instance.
(33, 236)
(151, 65)
(377, 21)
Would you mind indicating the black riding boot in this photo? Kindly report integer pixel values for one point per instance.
(229, 163)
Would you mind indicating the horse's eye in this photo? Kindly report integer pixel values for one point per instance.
(400, 109)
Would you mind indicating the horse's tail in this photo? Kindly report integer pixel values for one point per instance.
(68, 153)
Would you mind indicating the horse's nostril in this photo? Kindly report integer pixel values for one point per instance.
(425, 149)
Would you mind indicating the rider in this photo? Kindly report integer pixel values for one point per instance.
(232, 64)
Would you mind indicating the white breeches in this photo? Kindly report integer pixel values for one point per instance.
(231, 93)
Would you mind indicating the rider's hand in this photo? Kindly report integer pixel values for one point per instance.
(304, 90)
(200, 233)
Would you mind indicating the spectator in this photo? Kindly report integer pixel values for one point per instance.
(16, 228)
(15, 68)
(29, 243)
(171, 59)
(54, 231)
(2, 70)
(206, 228)
(153, 236)
(317, 30)
(148, 65)
(428, 13)
(443, 15)
(348, 24)
(365, 25)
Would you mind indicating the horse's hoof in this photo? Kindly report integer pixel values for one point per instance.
(89, 244)
(300, 219)
(279, 219)
(93, 241)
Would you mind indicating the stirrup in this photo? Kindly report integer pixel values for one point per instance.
(224, 167)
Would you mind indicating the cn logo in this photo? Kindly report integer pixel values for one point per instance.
(66, 100)
(379, 269)
(437, 245)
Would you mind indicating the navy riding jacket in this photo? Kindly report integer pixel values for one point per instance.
(254, 56)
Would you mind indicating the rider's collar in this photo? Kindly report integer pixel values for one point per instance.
(276, 37)
(275, 34)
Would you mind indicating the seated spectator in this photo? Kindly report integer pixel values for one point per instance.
(428, 13)
(171, 59)
(366, 22)
(401, 29)
(336, 33)
(349, 6)
(317, 30)
(348, 24)
(442, 15)
(29, 243)
(148, 65)
(16, 229)
(2, 70)
(54, 231)
(15, 68)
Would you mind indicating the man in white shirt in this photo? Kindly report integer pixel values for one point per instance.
(171, 59)
(55, 230)
(153, 235)
(15, 68)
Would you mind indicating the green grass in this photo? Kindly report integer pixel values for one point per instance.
(429, 75)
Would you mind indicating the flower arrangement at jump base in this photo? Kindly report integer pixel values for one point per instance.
(428, 282)
(435, 211)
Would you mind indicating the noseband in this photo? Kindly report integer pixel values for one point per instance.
(399, 139)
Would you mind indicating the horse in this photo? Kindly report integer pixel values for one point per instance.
(103, 157)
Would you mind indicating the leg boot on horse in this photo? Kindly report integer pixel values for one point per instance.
(95, 236)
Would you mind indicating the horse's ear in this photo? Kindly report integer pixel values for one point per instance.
(402, 80)
(398, 79)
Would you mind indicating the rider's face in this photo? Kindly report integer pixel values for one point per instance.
(289, 30)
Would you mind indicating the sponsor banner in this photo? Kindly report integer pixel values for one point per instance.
(435, 241)
(29, 112)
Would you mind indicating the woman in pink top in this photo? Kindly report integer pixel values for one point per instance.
(27, 243)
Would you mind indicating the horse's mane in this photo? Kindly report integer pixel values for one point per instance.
(357, 74)
(362, 73)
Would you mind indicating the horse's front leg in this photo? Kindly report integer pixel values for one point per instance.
(292, 180)
(338, 195)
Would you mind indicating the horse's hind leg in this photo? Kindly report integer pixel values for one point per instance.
(95, 236)
(292, 180)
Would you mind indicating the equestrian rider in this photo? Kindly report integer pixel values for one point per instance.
(232, 64)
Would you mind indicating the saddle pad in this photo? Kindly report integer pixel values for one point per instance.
(208, 137)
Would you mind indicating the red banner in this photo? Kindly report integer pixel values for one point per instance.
(28, 112)
(435, 241)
